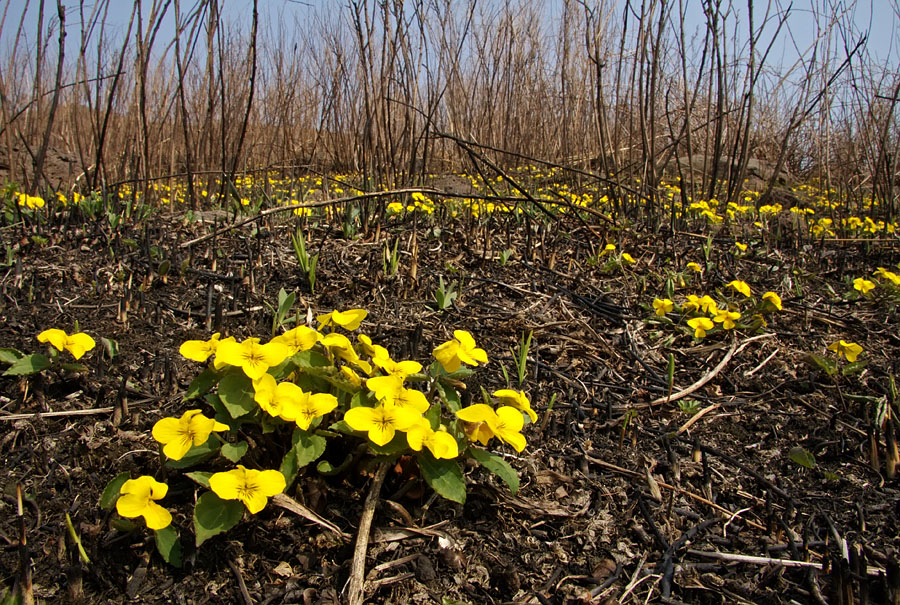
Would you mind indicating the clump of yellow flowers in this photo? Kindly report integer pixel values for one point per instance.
(703, 314)
(307, 386)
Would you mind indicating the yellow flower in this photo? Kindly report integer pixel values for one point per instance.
(727, 318)
(255, 359)
(505, 424)
(340, 346)
(137, 497)
(381, 422)
(351, 376)
(77, 344)
(740, 246)
(349, 320)
(739, 286)
(692, 303)
(250, 486)
(662, 306)
(773, 299)
(397, 368)
(609, 248)
(695, 267)
(390, 391)
(312, 405)
(515, 399)
(708, 304)
(441, 444)
(301, 338)
(178, 434)
(700, 325)
(371, 349)
(278, 399)
(628, 258)
(31, 201)
(863, 285)
(199, 350)
(461, 349)
(850, 350)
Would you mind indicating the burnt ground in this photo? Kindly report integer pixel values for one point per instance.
(622, 500)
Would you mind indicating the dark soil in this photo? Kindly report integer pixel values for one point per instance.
(615, 503)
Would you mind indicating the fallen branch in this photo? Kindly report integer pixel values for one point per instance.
(739, 558)
(355, 592)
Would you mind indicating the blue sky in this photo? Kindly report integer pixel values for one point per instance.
(872, 16)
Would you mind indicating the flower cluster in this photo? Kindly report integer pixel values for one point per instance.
(292, 383)
(703, 313)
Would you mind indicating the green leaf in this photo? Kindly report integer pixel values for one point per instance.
(234, 451)
(168, 545)
(204, 381)
(826, 365)
(433, 415)
(10, 355)
(444, 476)
(200, 477)
(212, 516)
(307, 447)
(236, 392)
(328, 469)
(197, 453)
(393, 447)
(854, 367)
(497, 465)
(450, 395)
(27, 365)
(110, 346)
(800, 456)
(112, 489)
(289, 467)
(310, 359)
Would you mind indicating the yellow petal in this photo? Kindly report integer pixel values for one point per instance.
(360, 418)
(55, 337)
(446, 356)
(226, 485)
(270, 482)
(478, 412)
(156, 516)
(79, 344)
(131, 505)
(444, 445)
(350, 319)
(195, 350)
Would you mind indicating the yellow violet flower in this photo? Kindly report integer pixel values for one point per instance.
(397, 368)
(312, 405)
(708, 304)
(461, 349)
(178, 435)
(441, 444)
(516, 399)
(739, 286)
(695, 267)
(31, 201)
(608, 248)
(381, 422)
(773, 299)
(77, 344)
(250, 486)
(740, 246)
(505, 424)
(692, 303)
(889, 275)
(301, 338)
(255, 359)
(136, 499)
(662, 306)
(850, 350)
(371, 349)
(390, 391)
(351, 376)
(278, 399)
(628, 258)
(340, 346)
(700, 325)
(727, 318)
(199, 350)
(349, 320)
(863, 285)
